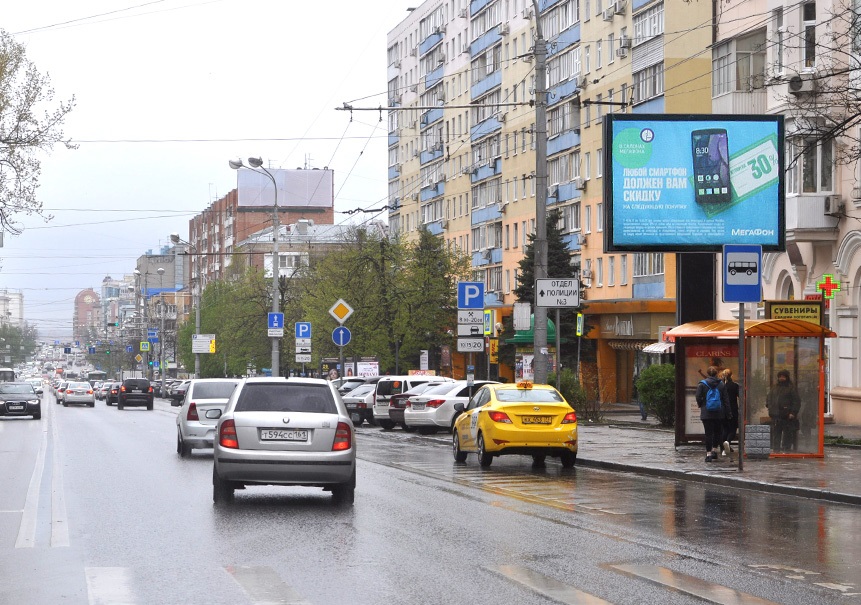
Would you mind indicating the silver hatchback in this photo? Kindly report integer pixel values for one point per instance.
(284, 431)
(193, 428)
(79, 393)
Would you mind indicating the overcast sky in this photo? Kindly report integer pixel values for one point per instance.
(166, 93)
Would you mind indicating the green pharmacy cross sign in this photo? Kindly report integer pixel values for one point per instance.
(828, 286)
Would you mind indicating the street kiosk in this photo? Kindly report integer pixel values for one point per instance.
(772, 347)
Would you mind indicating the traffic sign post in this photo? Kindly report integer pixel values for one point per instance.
(203, 343)
(341, 336)
(470, 295)
(341, 311)
(557, 293)
(303, 330)
(275, 324)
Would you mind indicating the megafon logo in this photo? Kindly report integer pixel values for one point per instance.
(752, 232)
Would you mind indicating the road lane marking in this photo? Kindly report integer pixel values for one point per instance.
(59, 519)
(109, 586)
(264, 586)
(27, 529)
(547, 586)
(713, 593)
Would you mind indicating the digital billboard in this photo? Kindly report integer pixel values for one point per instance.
(296, 188)
(693, 183)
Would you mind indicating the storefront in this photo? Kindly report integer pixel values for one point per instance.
(793, 408)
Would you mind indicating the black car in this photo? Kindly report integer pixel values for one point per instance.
(112, 394)
(135, 391)
(19, 399)
(178, 391)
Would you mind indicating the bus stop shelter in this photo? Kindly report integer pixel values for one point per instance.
(771, 346)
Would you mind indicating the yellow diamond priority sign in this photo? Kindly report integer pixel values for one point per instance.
(341, 311)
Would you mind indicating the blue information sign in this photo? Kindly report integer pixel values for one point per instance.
(742, 273)
(276, 320)
(470, 295)
(341, 336)
(303, 329)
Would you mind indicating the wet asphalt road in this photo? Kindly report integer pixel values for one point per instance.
(98, 508)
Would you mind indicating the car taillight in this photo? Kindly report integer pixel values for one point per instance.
(150, 389)
(227, 435)
(343, 437)
(361, 406)
(192, 412)
(570, 418)
(435, 403)
(123, 388)
(90, 392)
(499, 417)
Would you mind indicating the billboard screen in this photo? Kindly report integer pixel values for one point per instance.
(296, 188)
(693, 183)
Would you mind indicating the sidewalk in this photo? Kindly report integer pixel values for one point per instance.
(623, 442)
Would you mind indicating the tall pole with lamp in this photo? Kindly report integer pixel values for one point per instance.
(195, 300)
(162, 311)
(143, 278)
(256, 165)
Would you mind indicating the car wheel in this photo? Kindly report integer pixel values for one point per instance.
(427, 430)
(569, 459)
(387, 425)
(345, 493)
(538, 460)
(65, 405)
(407, 428)
(222, 491)
(484, 459)
(91, 405)
(149, 406)
(37, 416)
(119, 405)
(459, 455)
(182, 448)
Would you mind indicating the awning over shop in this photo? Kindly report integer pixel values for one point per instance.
(660, 348)
(628, 345)
(728, 328)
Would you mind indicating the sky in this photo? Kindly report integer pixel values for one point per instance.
(166, 92)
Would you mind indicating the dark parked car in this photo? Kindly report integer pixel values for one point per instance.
(135, 391)
(112, 394)
(177, 392)
(19, 399)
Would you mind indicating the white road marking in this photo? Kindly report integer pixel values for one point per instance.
(59, 518)
(547, 586)
(109, 586)
(708, 591)
(264, 586)
(27, 528)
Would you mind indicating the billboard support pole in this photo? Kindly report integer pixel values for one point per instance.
(741, 384)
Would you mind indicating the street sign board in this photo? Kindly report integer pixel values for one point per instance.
(129, 349)
(742, 273)
(469, 330)
(341, 336)
(91, 350)
(203, 343)
(138, 358)
(470, 295)
(303, 358)
(303, 330)
(579, 324)
(303, 342)
(557, 293)
(275, 324)
(341, 311)
(470, 345)
(470, 317)
(303, 349)
(144, 345)
(488, 322)
(150, 332)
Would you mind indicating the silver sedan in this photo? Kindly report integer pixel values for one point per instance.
(284, 431)
(79, 393)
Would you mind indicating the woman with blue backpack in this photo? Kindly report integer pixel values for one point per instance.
(713, 403)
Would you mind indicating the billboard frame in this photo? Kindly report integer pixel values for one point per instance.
(610, 244)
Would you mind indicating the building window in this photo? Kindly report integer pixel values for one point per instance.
(599, 271)
(623, 269)
(587, 220)
(599, 216)
(808, 11)
(811, 164)
(515, 239)
(611, 271)
(779, 40)
(649, 24)
(648, 263)
(649, 83)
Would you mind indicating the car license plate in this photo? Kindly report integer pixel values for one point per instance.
(16, 408)
(418, 406)
(135, 391)
(536, 419)
(283, 435)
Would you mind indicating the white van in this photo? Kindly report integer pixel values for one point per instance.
(394, 385)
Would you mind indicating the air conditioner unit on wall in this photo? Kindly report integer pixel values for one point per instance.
(833, 205)
(464, 13)
(503, 29)
(620, 6)
(622, 52)
(579, 183)
(586, 274)
(528, 12)
(801, 84)
(625, 42)
(414, 51)
(608, 14)
(581, 239)
(582, 81)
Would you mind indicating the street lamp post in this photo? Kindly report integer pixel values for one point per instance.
(161, 331)
(258, 164)
(195, 300)
(145, 319)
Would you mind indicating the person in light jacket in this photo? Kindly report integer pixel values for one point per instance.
(712, 420)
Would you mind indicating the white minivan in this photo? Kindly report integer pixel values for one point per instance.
(394, 385)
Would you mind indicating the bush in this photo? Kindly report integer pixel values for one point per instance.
(656, 386)
(573, 393)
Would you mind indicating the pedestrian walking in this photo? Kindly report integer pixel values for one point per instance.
(783, 405)
(713, 402)
(730, 422)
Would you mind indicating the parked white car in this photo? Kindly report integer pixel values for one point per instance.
(360, 403)
(434, 409)
(394, 385)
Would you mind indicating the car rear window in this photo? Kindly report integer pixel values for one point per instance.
(528, 395)
(213, 390)
(79, 385)
(387, 388)
(281, 397)
(137, 383)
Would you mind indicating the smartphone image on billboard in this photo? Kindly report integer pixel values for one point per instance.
(710, 149)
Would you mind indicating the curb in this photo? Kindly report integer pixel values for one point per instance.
(736, 482)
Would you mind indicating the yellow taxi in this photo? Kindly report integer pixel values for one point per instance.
(523, 418)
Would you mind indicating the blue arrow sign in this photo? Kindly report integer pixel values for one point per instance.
(129, 349)
(303, 329)
(276, 320)
(341, 336)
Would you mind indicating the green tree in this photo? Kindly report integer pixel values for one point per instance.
(26, 127)
(17, 343)
(656, 387)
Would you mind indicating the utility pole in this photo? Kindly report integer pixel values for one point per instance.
(539, 329)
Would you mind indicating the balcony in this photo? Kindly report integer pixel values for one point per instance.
(430, 155)
(484, 128)
(564, 90)
(563, 192)
(806, 220)
(492, 81)
(492, 168)
(754, 101)
(394, 139)
(394, 172)
(564, 41)
(490, 213)
(430, 192)
(433, 77)
(431, 116)
(563, 141)
(430, 42)
(485, 41)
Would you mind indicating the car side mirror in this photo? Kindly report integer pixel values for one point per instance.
(213, 414)
(459, 407)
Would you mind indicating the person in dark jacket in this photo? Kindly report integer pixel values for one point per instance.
(712, 420)
(730, 423)
(783, 405)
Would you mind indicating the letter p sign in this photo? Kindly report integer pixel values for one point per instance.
(470, 295)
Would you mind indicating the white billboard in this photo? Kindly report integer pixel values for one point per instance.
(296, 188)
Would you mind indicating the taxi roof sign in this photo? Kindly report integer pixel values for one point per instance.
(524, 384)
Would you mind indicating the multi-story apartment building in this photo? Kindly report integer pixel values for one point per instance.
(86, 315)
(214, 233)
(799, 59)
(462, 143)
(11, 307)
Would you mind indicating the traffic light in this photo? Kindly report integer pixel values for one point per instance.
(114, 324)
(107, 352)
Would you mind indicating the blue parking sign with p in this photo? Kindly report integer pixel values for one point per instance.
(303, 329)
(470, 295)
